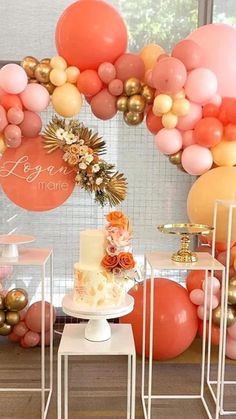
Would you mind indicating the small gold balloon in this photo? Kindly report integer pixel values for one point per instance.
(16, 299)
(5, 330)
(136, 103)
(122, 103)
(148, 93)
(12, 317)
(45, 61)
(132, 86)
(175, 158)
(29, 65)
(33, 81)
(2, 318)
(231, 316)
(133, 118)
(2, 306)
(232, 294)
(50, 87)
(42, 72)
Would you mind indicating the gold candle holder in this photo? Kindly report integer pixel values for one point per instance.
(185, 230)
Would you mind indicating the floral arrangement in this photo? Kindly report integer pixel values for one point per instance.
(82, 150)
(118, 259)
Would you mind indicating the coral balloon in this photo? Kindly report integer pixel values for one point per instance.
(15, 116)
(3, 118)
(217, 42)
(103, 105)
(201, 85)
(13, 337)
(153, 122)
(31, 339)
(35, 98)
(194, 280)
(168, 141)
(217, 183)
(10, 101)
(226, 105)
(175, 319)
(13, 78)
(129, 65)
(149, 54)
(230, 347)
(87, 26)
(67, 100)
(208, 132)
(189, 52)
(89, 83)
(224, 153)
(188, 138)
(189, 121)
(169, 75)
(230, 110)
(210, 110)
(115, 87)
(196, 159)
(107, 72)
(33, 318)
(230, 132)
(13, 135)
(215, 332)
(31, 124)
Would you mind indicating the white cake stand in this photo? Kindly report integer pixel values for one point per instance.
(10, 243)
(98, 328)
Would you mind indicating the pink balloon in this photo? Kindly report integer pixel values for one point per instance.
(5, 271)
(13, 337)
(13, 78)
(197, 297)
(215, 301)
(2, 93)
(20, 329)
(107, 72)
(188, 138)
(232, 331)
(168, 141)
(15, 116)
(215, 100)
(31, 124)
(230, 347)
(103, 105)
(201, 85)
(33, 316)
(200, 312)
(169, 75)
(3, 118)
(196, 159)
(22, 313)
(13, 135)
(189, 52)
(189, 121)
(35, 97)
(214, 283)
(31, 339)
(218, 44)
(129, 65)
(115, 87)
(148, 78)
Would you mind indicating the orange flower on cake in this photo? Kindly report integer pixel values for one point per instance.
(109, 262)
(117, 219)
(126, 260)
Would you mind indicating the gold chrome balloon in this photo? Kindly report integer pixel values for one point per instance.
(16, 299)
(136, 103)
(133, 118)
(231, 316)
(45, 61)
(33, 81)
(148, 93)
(2, 318)
(175, 158)
(50, 87)
(12, 317)
(232, 294)
(42, 72)
(29, 65)
(5, 330)
(132, 86)
(122, 103)
(2, 306)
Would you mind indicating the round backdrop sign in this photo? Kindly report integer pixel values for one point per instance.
(33, 179)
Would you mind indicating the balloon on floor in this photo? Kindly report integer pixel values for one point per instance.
(175, 319)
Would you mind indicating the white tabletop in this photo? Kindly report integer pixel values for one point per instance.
(162, 260)
(73, 341)
(33, 256)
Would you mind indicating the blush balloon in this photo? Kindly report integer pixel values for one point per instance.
(189, 52)
(169, 75)
(107, 72)
(189, 121)
(129, 65)
(31, 339)
(20, 329)
(15, 116)
(31, 124)
(33, 317)
(168, 141)
(115, 87)
(35, 97)
(103, 105)
(13, 135)
(188, 138)
(3, 118)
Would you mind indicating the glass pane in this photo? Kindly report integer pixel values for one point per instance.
(224, 12)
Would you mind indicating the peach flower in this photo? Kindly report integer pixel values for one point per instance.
(117, 219)
(126, 260)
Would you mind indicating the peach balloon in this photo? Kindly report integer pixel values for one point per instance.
(168, 141)
(72, 73)
(58, 62)
(58, 77)
(194, 115)
(149, 54)
(196, 159)
(67, 100)
(224, 153)
(218, 183)
(169, 120)
(181, 107)
(162, 104)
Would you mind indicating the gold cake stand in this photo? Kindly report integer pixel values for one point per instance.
(185, 230)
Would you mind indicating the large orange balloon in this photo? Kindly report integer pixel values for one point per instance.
(89, 33)
(219, 183)
(175, 319)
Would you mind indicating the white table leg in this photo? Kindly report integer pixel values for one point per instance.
(144, 328)
(51, 321)
(59, 387)
(150, 345)
(43, 342)
(133, 386)
(129, 387)
(66, 386)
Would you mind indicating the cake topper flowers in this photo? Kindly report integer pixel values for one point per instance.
(82, 151)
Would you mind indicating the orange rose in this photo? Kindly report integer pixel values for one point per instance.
(109, 262)
(117, 219)
(126, 260)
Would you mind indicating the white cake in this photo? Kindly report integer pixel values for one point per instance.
(94, 286)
